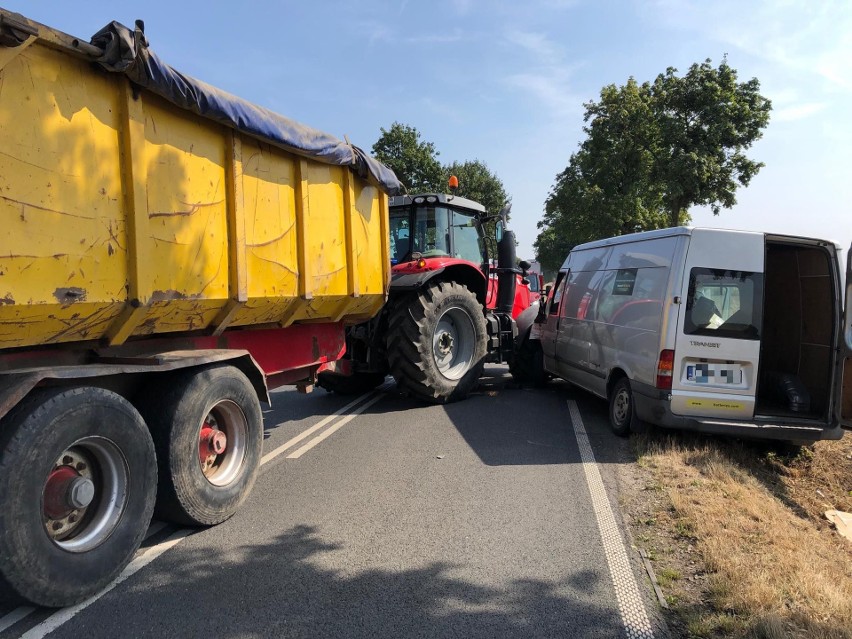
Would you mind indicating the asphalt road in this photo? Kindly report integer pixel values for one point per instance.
(469, 520)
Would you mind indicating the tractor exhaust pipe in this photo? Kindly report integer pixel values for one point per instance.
(506, 268)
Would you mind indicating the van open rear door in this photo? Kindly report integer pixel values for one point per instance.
(843, 378)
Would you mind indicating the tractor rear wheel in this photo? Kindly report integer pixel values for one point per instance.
(437, 342)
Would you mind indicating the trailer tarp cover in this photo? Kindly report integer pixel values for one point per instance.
(126, 51)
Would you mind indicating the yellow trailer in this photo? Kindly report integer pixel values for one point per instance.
(166, 251)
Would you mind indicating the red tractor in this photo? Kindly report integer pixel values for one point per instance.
(454, 294)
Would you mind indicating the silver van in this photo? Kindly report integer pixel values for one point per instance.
(727, 332)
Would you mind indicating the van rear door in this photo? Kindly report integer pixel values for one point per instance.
(843, 375)
(717, 346)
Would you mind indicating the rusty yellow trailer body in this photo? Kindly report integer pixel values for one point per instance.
(124, 215)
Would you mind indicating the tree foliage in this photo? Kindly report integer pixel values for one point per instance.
(477, 182)
(414, 161)
(652, 151)
(416, 164)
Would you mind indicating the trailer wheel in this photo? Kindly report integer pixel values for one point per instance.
(208, 432)
(622, 413)
(77, 482)
(528, 364)
(436, 343)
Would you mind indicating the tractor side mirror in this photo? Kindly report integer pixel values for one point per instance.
(525, 266)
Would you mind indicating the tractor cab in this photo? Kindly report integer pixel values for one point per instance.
(436, 226)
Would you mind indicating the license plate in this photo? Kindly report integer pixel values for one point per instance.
(714, 373)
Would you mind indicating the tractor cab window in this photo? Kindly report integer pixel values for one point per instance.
(400, 240)
(432, 232)
(467, 243)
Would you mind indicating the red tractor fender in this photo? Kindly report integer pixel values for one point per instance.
(411, 276)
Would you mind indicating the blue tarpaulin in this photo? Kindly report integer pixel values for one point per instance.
(126, 51)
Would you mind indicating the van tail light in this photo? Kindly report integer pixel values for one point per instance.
(664, 369)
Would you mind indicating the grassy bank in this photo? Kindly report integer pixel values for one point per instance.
(739, 539)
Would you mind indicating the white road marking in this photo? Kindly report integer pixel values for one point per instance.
(25, 611)
(630, 604)
(58, 619)
(326, 433)
(54, 621)
(295, 440)
(15, 616)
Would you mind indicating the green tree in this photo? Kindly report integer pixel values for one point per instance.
(414, 161)
(652, 151)
(477, 182)
(705, 122)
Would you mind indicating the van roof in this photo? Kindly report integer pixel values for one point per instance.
(683, 230)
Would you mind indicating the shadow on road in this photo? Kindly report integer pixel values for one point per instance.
(285, 589)
(507, 425)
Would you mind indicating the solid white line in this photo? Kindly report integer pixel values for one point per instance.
(14, 617)
(295, 440)
(326, 433)
(630, 605)
(54, 621)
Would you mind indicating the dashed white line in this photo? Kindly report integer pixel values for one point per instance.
(630, 604)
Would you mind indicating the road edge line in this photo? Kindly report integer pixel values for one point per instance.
(634, 616)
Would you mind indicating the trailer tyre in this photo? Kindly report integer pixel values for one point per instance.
(436, 342)
(622, 410)
(77, 487)
(208, 432)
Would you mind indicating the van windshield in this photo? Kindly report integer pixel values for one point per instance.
(724, 303)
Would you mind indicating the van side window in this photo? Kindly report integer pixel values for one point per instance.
(580, 294)
(632, 297)
(558, 289)
(724, 303)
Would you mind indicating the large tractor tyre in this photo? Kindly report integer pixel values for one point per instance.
(350, 384)
(528, 364)
(208, 432)
(437, 342)
(622, 410)
(77, 487)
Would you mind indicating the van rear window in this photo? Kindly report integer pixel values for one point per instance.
(724, 303)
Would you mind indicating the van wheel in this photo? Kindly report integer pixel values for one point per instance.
(622, 413)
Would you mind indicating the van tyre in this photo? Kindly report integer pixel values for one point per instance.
(528, 364)
(208, 432)
(436, 342)
(77, 487)
(622, 410)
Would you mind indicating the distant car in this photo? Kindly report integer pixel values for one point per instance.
(536, 286)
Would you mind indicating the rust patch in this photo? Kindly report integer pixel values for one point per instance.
(69, 295)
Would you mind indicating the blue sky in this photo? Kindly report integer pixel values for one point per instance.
(504, 81)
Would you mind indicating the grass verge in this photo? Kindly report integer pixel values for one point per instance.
(739, 539)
